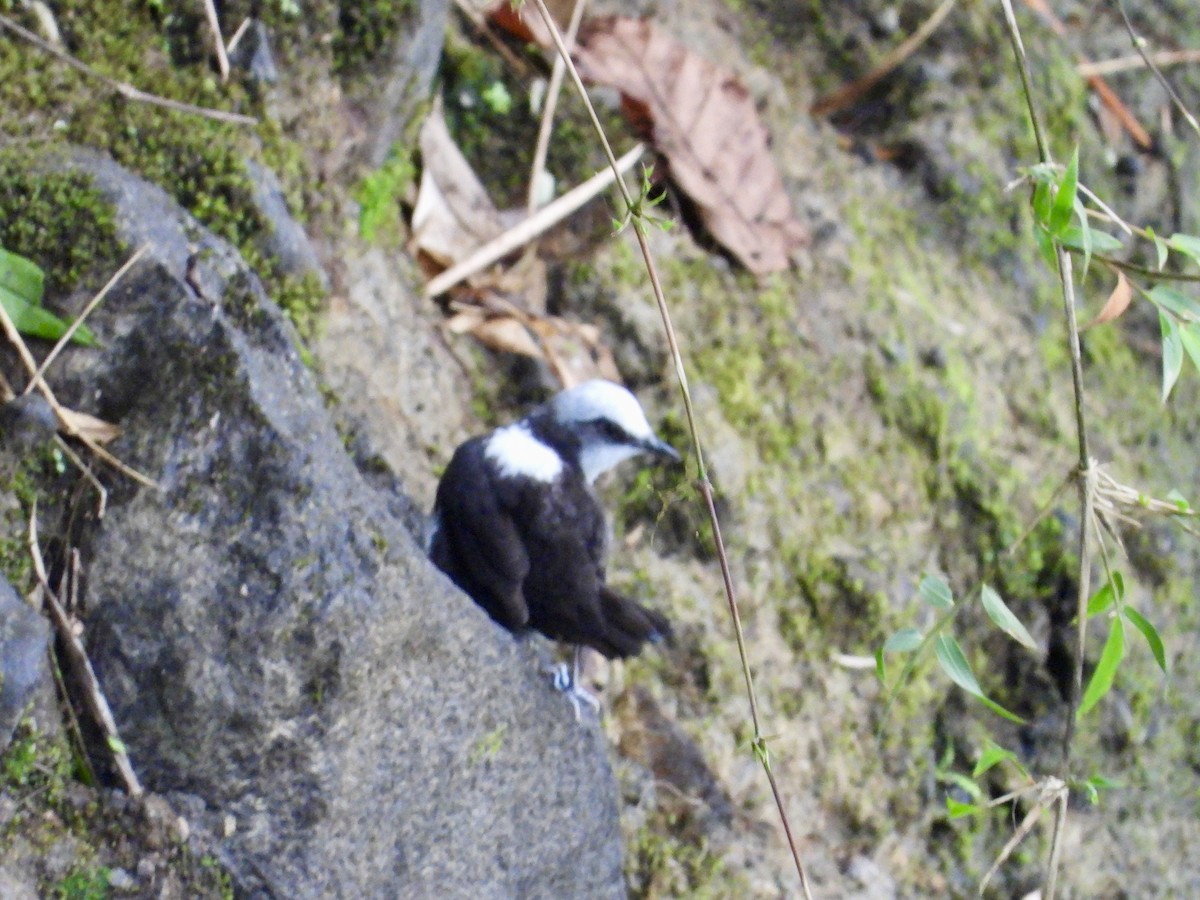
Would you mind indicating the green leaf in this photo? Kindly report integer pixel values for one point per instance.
(903, 641)
(1041, 202)
(37, 322)
(1101, 241)
(1165, 297)
(993, 754)
(1005, 619)
(957, 809)
(1187, 244)
(1106, 669)
(1172, 353)
(880, 667)
(116, 745)
(1142, 624)
(1190, 335)
(1160, 247)
(963, 783)
(1064, 201)
(1179, 500)
(1109, 592)
(934, 591)
(954, 663)
(22, 277)
(1045, 247)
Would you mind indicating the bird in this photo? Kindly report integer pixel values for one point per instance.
(517, 524)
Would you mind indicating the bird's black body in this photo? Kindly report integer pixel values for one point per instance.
(531, 550)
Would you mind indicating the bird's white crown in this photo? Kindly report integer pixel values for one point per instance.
(601, 399)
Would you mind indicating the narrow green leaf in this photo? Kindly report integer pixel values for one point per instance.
(880, 668)
(1172, 353)
(1160, 247)
(1106, 669)
(1041, 202)
(1064, 201)
(1101, 241)
(963, 783)
(1108, 593)
(1005, 619)
(993, 754)
(1001, 711)
(1142, 624)
(22, 277)
(1190, 335)
(37, 322)
(1087, 235)
(1187, 244)
(957, 809)
(1179, 500)
(934, 591)
(1166, 297)
(904, 641)
(954, 663)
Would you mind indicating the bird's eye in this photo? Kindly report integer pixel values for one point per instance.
(611, 430)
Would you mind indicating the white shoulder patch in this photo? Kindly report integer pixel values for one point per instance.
(517, 452)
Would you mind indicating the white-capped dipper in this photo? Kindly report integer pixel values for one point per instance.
(517, 525)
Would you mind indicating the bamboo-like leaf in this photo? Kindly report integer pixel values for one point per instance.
(1187, 244)
(38, 322)
(957, 809)
(1100, 241)
(1160, 247)
(1064, 201)
(1189, 334)
(880, 667)
(1005, 619)
(936, 592)
(1172, 353)
(1109, 592)
(1149, 632)
(22, 277)
(903, 641)
(1166, 297)
(1106, 669)
(954, 663)
(993, 754)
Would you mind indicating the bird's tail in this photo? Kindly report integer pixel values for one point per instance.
(628, 625)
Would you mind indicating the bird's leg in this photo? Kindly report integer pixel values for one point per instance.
(568, 681)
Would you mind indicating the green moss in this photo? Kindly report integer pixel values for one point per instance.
(56, 219)
(365, 29)
(379, 194)
(661, 864)
(83, 883)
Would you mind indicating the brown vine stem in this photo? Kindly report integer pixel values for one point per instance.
(705, 485)
(1084, 473)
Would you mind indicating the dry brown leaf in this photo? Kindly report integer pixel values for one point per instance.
(1117, 302)
(454, 214)
(84, 425)
(508, 334)
(526, 24)
(705, 124)
(575, 351)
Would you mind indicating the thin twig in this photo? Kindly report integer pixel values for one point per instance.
(515, 62)
(74, 326)
(14, 337)
(542, 148)
(1138, 45)
(1130, 63)
(705, 484)
(214, 26)
(1085, 472)
(93, 696)
(850, 93)
(126, 90)
(530, 228)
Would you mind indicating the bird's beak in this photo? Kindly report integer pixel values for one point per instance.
(661, 448)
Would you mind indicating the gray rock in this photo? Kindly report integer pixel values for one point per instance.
(24, 641)
(272, 639)
(284, 240)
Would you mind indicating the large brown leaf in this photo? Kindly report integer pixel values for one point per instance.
(704, 122)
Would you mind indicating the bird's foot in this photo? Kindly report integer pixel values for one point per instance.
(563, 678)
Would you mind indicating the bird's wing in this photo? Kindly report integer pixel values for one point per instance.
(484, 552)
